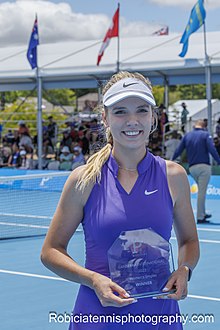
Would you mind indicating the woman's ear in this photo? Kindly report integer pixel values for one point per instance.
(154, 121)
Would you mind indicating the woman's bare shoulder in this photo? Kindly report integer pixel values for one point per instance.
(71, 185)
(177, 180)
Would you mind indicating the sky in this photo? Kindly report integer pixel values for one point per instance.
(70, 20)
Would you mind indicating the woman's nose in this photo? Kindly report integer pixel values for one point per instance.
(132, 120)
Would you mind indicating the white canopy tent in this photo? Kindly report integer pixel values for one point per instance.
(73, 65)
(197, 110)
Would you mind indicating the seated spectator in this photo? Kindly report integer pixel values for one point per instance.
(47, 145)
(15, 158)
(171, 145)
(65, 155)
(5, 154)
(26, 142)
(23, 128)
(66, 140)
(25, 162)
(78, 157)
(83, 142)
(54, 164)
(66, 159)
(52, 130)
(9, 137)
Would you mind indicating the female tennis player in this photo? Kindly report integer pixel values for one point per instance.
(123, 187)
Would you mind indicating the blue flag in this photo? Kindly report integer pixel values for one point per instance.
(197, 18)
(32, 48)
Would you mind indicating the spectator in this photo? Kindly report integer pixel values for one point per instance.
(5, 155)
(47, 145)
(65, 156)
(87, 108)
(78, 157)
(217, 129)
(66, 140)
(25, 163)
(163, 120)
(205, 124)
(23, 128)
(217, 143)
(83, 142)
(26, 142)
(9, 137)
(66, 159)
(199, 145)
(171, 145)
(184, 114)
(52, 130)
(54, 164)
(15, 159)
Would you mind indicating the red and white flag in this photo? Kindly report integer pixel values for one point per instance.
(112, 32)
(164, 31)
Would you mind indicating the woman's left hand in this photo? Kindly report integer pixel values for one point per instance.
(178, 281)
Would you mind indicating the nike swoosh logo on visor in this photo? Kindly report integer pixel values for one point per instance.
(147, 193)
(126, 85)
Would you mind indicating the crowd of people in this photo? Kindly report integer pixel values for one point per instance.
(19, 147)
(75, 144)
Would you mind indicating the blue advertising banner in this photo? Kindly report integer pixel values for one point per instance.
(213, 190)
(48, 182)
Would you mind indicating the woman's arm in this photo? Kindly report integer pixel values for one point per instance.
(185, 229)
(54, 256)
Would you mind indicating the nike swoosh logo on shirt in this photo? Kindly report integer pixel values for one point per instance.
(126, 85)
(147, 193)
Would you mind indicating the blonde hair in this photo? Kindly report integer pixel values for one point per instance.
(92, 172)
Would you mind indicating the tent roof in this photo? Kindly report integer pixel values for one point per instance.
(73, 64)
(197, 109)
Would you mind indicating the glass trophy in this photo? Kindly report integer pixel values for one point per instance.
(141, 262)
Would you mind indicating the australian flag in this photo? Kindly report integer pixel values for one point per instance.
(32, 48)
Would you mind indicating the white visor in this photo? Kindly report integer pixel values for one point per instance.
(126, 88)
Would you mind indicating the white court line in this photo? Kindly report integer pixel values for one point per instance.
(32, 275)
(208, 229)
(25, 216)
(203, 240)
(203, 297)
(62, 279)
(23, 225)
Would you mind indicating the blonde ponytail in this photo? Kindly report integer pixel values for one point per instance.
(92, 172)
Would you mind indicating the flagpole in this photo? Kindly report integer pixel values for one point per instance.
(208, 81)
(39, 119)
(118, 53)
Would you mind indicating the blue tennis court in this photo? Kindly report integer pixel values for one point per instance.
(30, 292)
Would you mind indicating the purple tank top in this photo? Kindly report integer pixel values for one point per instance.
(111, 210)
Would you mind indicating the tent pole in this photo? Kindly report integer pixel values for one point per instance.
(208, 82)
(39, 120)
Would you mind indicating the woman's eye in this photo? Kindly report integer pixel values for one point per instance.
(119, 112)
(143, 110)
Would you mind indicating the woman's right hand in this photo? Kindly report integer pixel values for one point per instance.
(105, 290)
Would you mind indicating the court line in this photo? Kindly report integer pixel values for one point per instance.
(62, 279)
(25, 216)
(33, 275)
(203, 297)
(208, 229)
(22, 225)
(203, 240)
